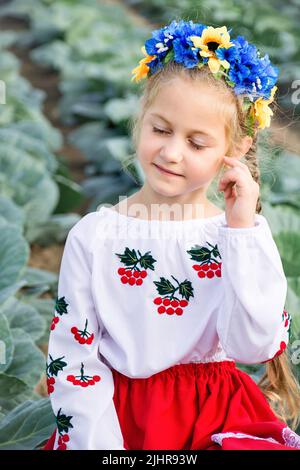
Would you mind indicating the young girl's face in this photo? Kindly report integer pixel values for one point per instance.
(182, 132)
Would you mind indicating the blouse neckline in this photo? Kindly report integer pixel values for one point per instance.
(161, 223)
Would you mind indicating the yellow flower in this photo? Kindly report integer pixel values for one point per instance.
(262, 112)
(210, 40)
(142, 69)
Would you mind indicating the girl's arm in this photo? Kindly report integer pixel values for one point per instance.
(252, 324)
(80, 385)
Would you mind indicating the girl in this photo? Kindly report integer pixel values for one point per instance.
(152, 315)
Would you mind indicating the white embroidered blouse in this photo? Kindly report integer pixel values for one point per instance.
(143, 295)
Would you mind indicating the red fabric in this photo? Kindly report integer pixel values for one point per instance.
(182, 408)
(50, 443)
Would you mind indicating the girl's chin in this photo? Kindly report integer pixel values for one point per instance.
(165, 189)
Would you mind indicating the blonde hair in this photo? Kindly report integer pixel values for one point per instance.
(278, 383)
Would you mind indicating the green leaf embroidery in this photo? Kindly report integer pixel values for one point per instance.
(63, 422)
(166, 288)
(290, 324)
(61, 305)
(131, 259)
(147, 261)
(56, 365)
(203, 254)
(186, 289)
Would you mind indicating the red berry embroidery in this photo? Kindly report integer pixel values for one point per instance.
(55, 320)
(208, 265)
(50, 384)
(63, 425)
(61, 445)
(168, 303)
(133, 274)
(286, 317)
(280, 351)
(83, 380)
(282, 348)
(60, 308)
(55, 366)
(82, 336)
(289, 324)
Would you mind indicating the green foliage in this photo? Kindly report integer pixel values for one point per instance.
(32, 185)
(27, 426)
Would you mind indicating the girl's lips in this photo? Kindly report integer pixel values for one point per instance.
(165, 172)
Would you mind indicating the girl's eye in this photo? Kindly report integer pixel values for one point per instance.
(160, 131)
(197, 147)
(155, 129)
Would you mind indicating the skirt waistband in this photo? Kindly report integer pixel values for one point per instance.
(196, 369)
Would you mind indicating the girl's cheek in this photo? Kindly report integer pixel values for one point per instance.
(149, 150)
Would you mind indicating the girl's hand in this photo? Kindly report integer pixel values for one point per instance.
(241, 193)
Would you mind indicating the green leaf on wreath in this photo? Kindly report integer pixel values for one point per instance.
(169, 56)
(249, 122)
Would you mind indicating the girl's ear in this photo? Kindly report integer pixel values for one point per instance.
(244, 146)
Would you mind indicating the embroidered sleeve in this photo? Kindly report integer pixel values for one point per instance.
(250, 322)
(80, 384)
(283, 335)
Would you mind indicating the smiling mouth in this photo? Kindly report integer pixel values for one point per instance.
(167, 172)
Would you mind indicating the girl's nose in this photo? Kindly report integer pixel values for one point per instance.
(172, 151)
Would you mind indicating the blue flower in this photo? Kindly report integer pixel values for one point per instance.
(250, 73)
(230, 54)
(184, 54)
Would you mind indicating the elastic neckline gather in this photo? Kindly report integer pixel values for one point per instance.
(161, 223)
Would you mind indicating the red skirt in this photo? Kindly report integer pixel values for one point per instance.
(197, 406)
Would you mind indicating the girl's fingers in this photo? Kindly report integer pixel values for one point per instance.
(228, 192)
(234, 162)
(233, 175)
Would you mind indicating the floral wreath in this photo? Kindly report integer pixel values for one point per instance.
(235, 60)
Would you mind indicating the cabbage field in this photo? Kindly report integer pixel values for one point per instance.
(65, 148)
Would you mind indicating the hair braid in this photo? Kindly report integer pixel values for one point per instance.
(252, 163)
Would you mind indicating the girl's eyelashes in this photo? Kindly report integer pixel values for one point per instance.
(160, 131)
